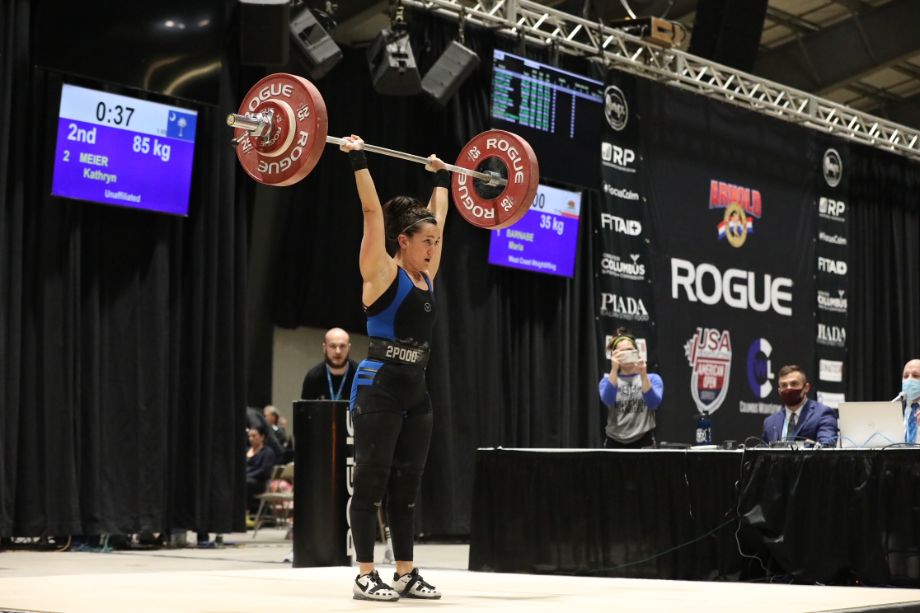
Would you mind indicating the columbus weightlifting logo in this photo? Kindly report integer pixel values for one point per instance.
(615, 266)
(832, 167)
(709, 352)
(616, 110)
(759, 372)
(742, 206)
(760, 378)
(835, 304)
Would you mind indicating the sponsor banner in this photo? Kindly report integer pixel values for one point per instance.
(831, 399)
(831, 264)
(731, 224)
(830, 370)
(624, 291)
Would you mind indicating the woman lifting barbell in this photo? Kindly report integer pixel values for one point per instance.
(390, 405)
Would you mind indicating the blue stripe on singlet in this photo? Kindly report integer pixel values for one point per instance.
(365, 375)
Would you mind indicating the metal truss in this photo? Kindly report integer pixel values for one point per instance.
(545, 26)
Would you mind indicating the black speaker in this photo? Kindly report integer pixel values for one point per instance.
(264, 32)
(449, 72)
(315, 45)
(393, 69)
(728, 32)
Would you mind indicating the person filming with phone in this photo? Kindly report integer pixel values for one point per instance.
(632, 395)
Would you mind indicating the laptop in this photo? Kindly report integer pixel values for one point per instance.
(870, 424)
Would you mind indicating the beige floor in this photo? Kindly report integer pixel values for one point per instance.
(250, 575)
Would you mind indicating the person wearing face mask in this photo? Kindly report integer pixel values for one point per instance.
(910, 397)
(632, 395)
(800, 419)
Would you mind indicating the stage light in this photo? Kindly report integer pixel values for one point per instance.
(392, 64)
(315, 46)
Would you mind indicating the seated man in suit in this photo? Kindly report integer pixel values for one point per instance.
(800, 419)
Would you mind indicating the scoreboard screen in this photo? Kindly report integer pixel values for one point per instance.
(121, 150)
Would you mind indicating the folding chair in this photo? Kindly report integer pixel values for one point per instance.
(270, 500)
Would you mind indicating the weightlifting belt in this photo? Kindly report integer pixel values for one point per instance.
(393, 351)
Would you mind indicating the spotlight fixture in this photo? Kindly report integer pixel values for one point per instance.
(391, 61)
(447, 74)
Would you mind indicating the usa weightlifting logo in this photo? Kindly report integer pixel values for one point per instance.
(709, 352)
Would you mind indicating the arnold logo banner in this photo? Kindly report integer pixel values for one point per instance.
(709, 353)
(742, 206)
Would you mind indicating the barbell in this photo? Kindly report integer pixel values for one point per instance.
(281, 129)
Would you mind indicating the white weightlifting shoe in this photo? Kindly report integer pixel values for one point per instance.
(411, 585)
(372, 587)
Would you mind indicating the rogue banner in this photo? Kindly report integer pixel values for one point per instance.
(731, 224)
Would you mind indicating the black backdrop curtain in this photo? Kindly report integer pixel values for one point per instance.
(121, 371)
(884, 305)
(512, 361)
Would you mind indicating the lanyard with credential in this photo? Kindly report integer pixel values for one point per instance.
(337, 395)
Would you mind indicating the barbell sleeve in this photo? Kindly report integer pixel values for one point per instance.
(256, 126)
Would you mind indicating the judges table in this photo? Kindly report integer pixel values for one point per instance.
(840, 516)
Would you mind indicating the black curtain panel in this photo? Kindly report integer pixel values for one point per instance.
(884, 303)
(121, 371)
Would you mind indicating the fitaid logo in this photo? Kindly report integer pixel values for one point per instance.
(832, 266)
(621, 225)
